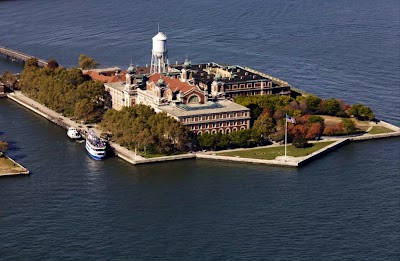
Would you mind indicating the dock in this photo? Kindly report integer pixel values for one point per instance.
(20, 56)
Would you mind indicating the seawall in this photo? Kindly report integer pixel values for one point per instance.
(130, 156)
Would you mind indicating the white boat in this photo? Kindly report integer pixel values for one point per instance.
(95, 146)
(73, 133)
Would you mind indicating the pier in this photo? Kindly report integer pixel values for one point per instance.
(20, 56)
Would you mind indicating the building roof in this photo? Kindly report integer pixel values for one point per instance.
(202, 109)
(107, 76)
(174, 84)
(231, 74)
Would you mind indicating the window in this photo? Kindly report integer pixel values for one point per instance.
(194, 99)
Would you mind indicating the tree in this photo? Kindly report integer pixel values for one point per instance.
(330, 107)
(3, 147)
(300, 142)
(9, 79)
(31, 62)
(348, 126)
(264, 125)
(207, 140)
(86, 62)
(313, 103)
(52, 64)
(361, 112)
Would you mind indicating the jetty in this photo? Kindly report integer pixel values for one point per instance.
(20, 56)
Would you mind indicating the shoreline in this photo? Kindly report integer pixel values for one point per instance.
(135, 159)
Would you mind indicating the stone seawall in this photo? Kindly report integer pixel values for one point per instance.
(319, 153)
(249, 160)
(375, 136)
(166, 158)
(130, 156)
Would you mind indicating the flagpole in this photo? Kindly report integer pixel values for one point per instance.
(285, 137)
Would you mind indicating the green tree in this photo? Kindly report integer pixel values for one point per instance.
(300, 142)
(330, 107)
(86, 62)
(264, 125)
(348, 126)
(361, 112)
(313, 103)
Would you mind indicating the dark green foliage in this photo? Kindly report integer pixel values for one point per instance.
(313, 103)
(140, 127)
(361, 112)
(68, 92)
(300, 142)
(330, 107)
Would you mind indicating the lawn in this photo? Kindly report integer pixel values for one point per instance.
(270, 153)
(7, 166)
(333, 121)
(379, 130)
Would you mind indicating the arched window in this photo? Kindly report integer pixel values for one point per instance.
(227, 131)
(194, 99)
(207, 131)
(242, 128)
(214, 131)
(221, 131)
(199, 133)
(234, 129)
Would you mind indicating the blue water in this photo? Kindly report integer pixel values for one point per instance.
(343, 206)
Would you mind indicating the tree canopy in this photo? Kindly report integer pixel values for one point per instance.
(86, 62)
(67, 91)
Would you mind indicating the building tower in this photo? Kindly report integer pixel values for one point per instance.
(159, 55)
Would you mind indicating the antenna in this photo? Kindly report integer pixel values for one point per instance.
(158, 28)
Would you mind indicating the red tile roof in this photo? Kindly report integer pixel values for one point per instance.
(174, 84)
(107, 79)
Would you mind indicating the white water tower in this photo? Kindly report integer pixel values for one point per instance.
(159, 54)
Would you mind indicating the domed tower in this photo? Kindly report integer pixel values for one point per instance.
(185, 72)
(159, 54)
(130, 76)
(217, 87)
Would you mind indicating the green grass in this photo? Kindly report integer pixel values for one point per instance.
(379, 130)
(7, 166)
(270, 153)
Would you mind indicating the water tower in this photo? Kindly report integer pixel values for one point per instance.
(159, 56)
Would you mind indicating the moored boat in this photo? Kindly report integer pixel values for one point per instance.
(73, 133)
(95, 146)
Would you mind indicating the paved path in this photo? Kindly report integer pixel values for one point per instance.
(67, 122)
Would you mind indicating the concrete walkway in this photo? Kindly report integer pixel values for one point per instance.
(66, 122)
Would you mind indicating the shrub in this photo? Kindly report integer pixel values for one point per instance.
(300, 142)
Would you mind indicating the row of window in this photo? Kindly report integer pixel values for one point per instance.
(227, 131)
(217, 125)
(216, 116)
(248, 85)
